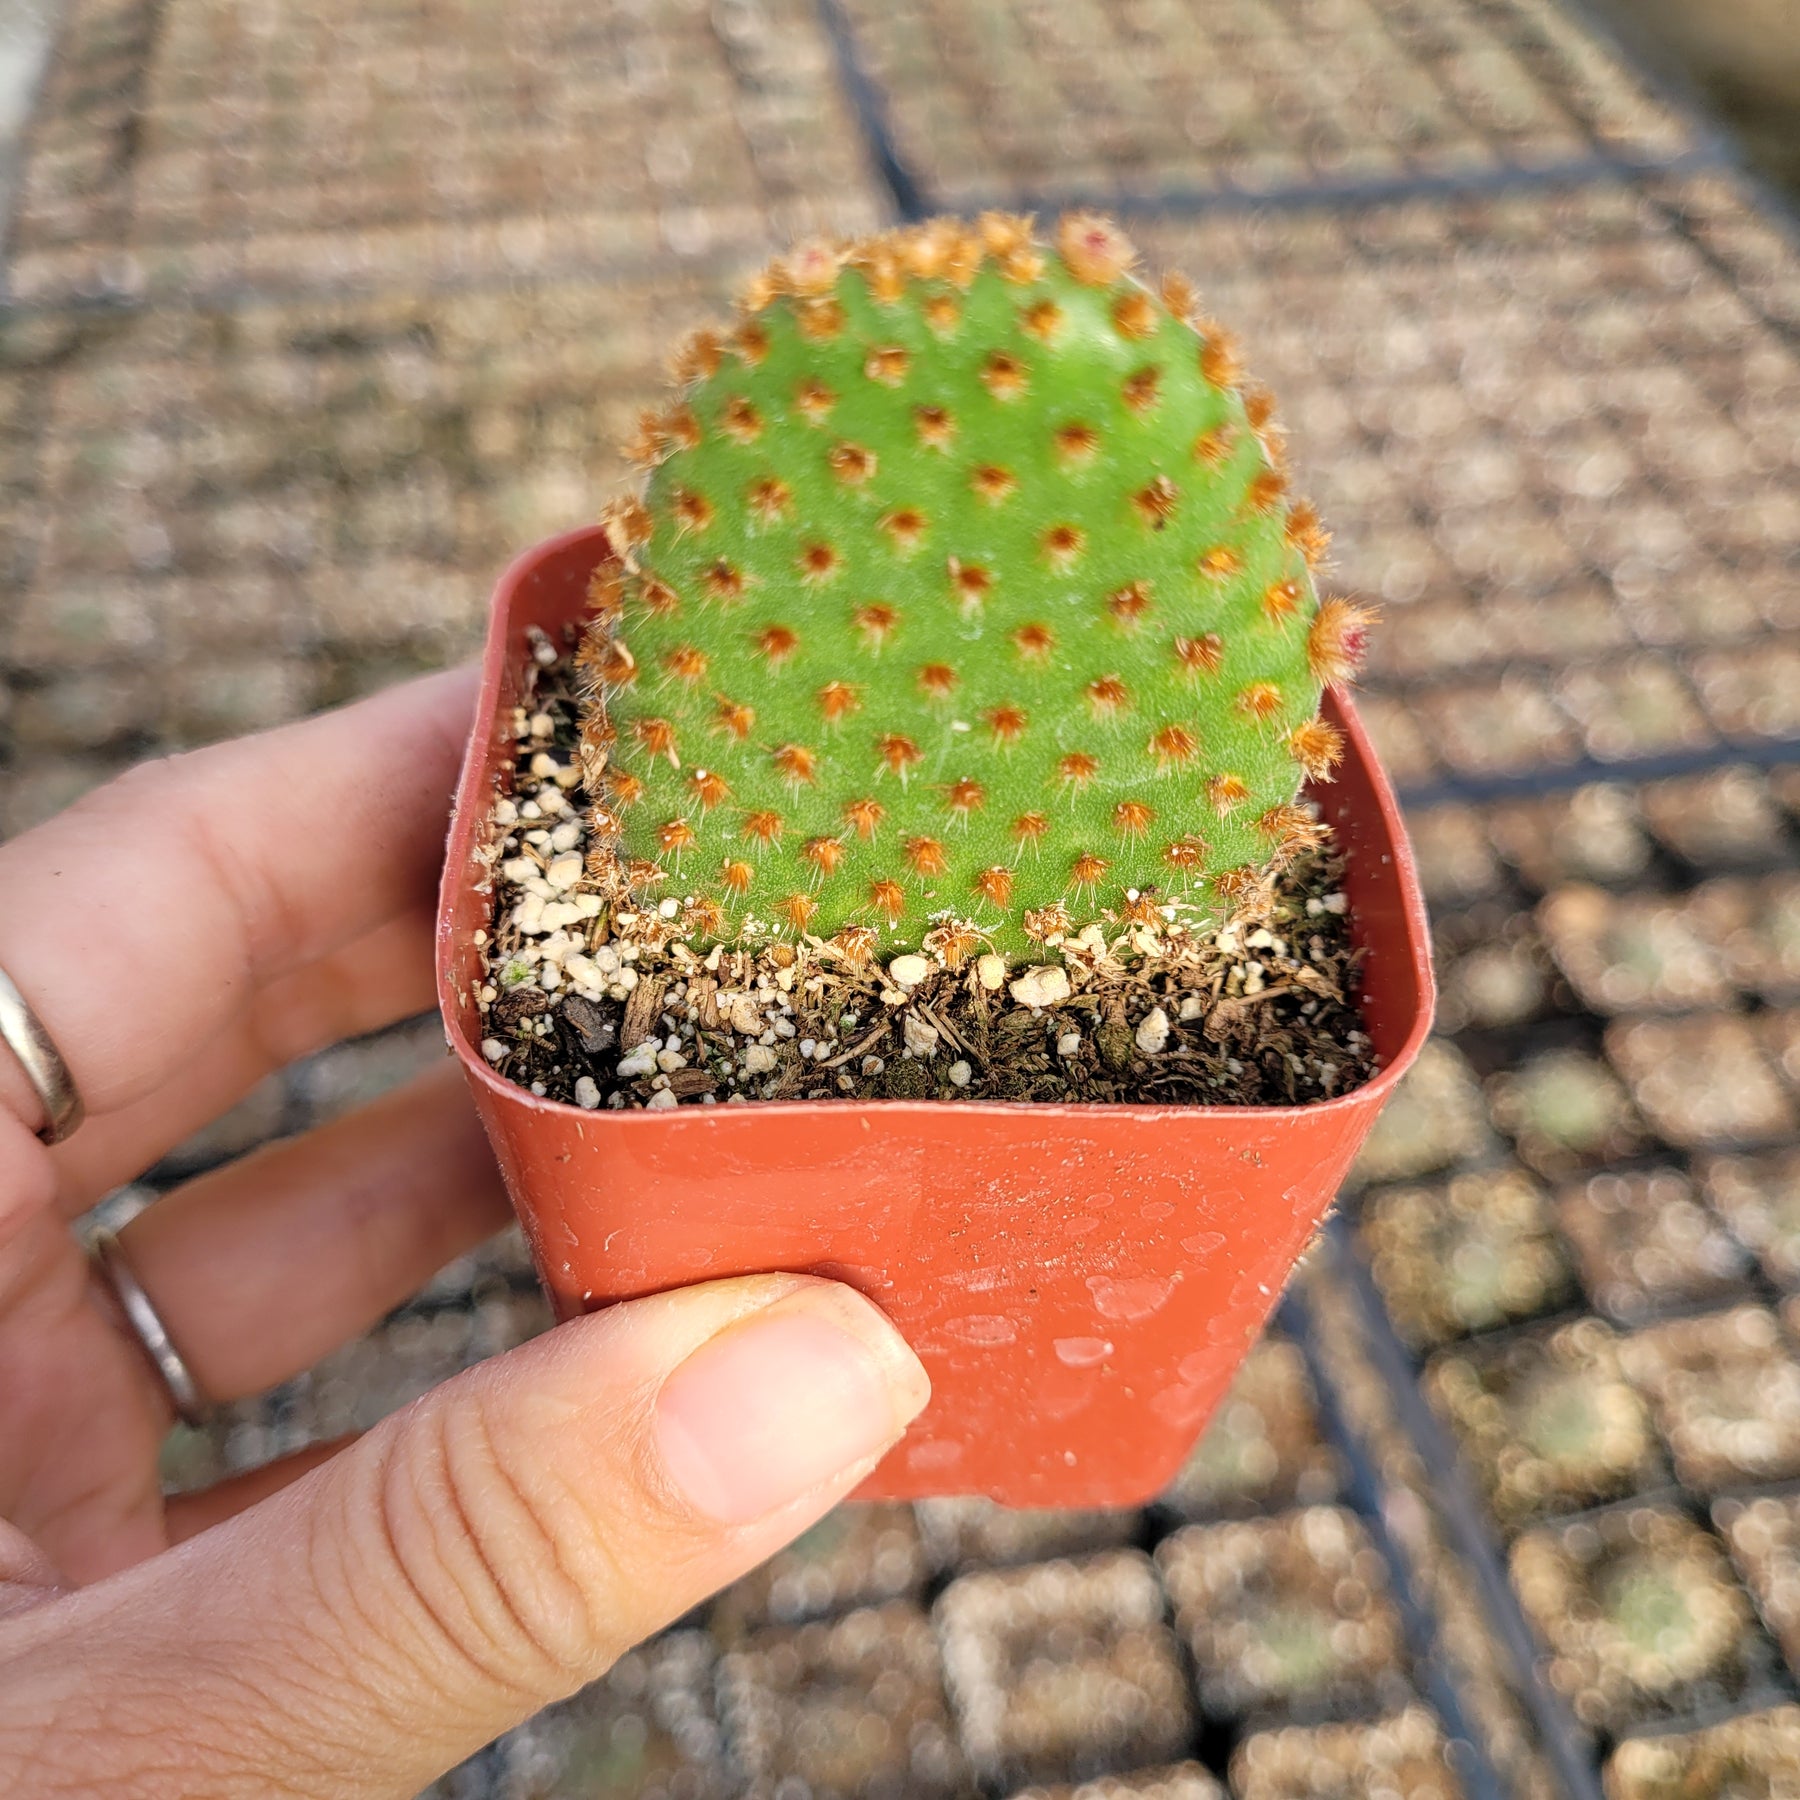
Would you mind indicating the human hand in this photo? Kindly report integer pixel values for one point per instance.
(357, 1619)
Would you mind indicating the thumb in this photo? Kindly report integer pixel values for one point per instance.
(486, 1551)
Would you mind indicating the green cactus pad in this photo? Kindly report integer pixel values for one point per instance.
(965, 598)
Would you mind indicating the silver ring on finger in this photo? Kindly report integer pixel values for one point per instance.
(35, 1050)
(148, 1328)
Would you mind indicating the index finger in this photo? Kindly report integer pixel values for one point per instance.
(142, 919)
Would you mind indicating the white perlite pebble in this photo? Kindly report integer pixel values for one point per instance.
(1045, 985)
(1192, 1007)
(1069, 1043)
(660, 1101)
(921, 1039)
(587, 1093)
(908, 971)
(641, 1061)
(758, 1060)
(1153, 1033)
(991, 972)
(564, 871)
(960, 1074)
(492, 1049)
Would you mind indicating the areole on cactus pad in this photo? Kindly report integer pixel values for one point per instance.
(965, 604)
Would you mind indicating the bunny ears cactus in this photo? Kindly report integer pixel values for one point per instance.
(965, 604)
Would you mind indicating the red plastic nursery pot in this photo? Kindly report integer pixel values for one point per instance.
(1081, 1281)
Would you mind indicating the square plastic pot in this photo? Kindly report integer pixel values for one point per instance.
(1081, 1281)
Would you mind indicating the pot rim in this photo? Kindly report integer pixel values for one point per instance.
(470, 810)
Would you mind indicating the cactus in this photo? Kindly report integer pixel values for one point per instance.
(965, 605)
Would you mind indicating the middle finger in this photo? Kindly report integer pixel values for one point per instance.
(381, 978)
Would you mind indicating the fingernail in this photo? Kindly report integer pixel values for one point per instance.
(767, 1410)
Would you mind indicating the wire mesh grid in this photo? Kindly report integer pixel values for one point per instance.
(306, 308)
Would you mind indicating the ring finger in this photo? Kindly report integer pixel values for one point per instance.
(260, 1268)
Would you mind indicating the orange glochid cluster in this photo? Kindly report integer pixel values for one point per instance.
(734, 719)
(796, 764)
(954, 941)
(1142, 390)
(898, 754)
(824, 853)
(1062, 546)
(777, 643)
(770, 499)
(819, 563)
(709, 788)
(1087, 870)
(1173, 745)
(936, 426)
(1107, 695)
(1076, 443)
(1318, 747)
(1154, 503)
(993, 484)
(994, 885)
(888, 896)
(693, 512)
(1128, 605)
(965, 796)
(876, 623)
(797, 910)
(658, 739)
(864, 817)
(852, 464)
(905, 526)
(1260, 701)
(971, 582)
(1004, 375)
(1006, 723)
(926, 855)
(723, 582)
(838, 700)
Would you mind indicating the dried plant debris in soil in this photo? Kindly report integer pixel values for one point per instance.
(1256, 1012)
